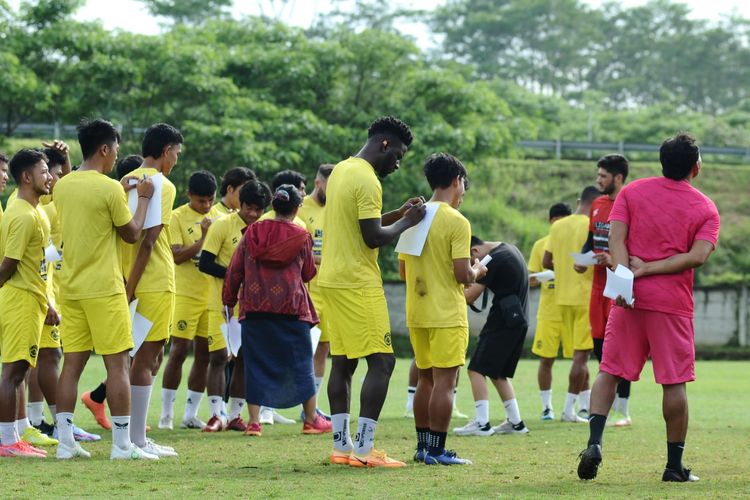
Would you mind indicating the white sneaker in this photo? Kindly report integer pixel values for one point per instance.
(572, 418)
(156, 449)
(131, 453)
(192, 423)
(266, 415)
(281, 419)
(65, 452)
(166, 423)
(474, 428)
(508, 428)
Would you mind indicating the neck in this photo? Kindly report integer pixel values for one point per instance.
(289, 217)
(368, 154)
(28, 195)
(583, 210)
(154, 163)
(614, 193)
(315, 195)
(92, 165)
(444, 195)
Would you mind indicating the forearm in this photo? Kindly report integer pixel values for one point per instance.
(387, 234)
(183, 254)
(672, 265)
(472, 292)
(391, 217)
(7, 268)
(208, 265)
(589, 245)
(139, 265)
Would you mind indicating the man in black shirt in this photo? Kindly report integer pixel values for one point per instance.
(501, 339)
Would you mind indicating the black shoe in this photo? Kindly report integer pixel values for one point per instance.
(46, 428)
(591, 458)
(679, 476)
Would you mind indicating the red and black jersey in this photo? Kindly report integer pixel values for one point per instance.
(599, 227)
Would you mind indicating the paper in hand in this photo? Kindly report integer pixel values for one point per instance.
(584, 259)
(51, 254)
(486, 260)
(141, 327)
(546, 275)
(620, 284)
(153, 212)
(412, 240)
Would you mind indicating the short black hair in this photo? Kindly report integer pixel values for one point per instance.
(589, 194)
(93, 134)
(441, 168)
(559, 210)
(157, 137)
(677, 155)
(615, 164)
(4, 158)
(23, 161)
(392, 126)
(202, 183)
(127, 165)
(476, 241)
(324, 170)
(257, 193)
(54, 157)
(285, 199)
(292, 177)
(234, 177)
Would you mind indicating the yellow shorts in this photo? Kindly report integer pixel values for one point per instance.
(575, 321)
(358, 321)
(21, 322)
(158, 308)
(548, 337)
(319, 304)
(215, 338)
(100, 323)
(439, 347)
(50, 337)
(190, 318)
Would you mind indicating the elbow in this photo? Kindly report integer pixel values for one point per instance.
(130, 236)
(373, 242)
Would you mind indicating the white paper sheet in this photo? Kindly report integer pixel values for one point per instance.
(546, 275)
(141, 327)
(51, 254)
(412, 240)
(153, 212)
(620, 284)
(584, 259)
(315, 337)
(486, 260)
(232, 333)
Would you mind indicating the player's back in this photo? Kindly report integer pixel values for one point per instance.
(567, 236)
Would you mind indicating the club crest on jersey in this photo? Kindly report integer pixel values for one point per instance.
(33, 351)
(387, 338)
(182, 325)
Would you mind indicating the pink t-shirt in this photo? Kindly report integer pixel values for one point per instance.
(665, 217)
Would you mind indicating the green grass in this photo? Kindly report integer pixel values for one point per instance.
(284, 463)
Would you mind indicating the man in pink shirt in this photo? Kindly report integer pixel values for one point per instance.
(661, 228)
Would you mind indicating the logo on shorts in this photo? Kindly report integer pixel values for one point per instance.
(182, 325)
(55, 334)
(33, 351)
(387, 338)
(538, 344)
(210, 340)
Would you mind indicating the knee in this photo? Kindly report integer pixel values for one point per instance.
(217, 359)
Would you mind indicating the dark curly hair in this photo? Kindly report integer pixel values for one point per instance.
(390, 125)
(677, 155)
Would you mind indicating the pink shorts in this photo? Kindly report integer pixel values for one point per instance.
(632, 335)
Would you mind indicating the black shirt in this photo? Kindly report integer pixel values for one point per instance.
(507, 275)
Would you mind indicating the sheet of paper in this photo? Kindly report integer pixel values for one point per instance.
(546, 275)
(584, 259)
(315, 337)
(620, 284)
(486, 260)
(51, 254)
(141, 327)
(412, 240)
(232, 333)
(153, 212)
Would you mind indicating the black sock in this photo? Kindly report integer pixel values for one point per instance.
(437, 442)
(623, 389)
(596, 428)
(674, 455)
(423, 438)
(99, 394)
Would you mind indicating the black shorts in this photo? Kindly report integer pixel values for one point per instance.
(598, 348)
(497, 352)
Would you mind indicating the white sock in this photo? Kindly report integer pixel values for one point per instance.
(121, 432)
(235, 407)
(318, 383)
(65, 428)
(342, 441)
(53, 412)
(410, 398)
(35, 412)
(22, 424)
(8, 434)
(482, 408)
(512, 411)
(570, 403)
(192, 403)
(583, 400)
(215, 405)
(365, 438)
(140, 395)
(546, 399)
(623, 407)
(168, 397)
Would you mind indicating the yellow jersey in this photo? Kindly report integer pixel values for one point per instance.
(24, 234)
(566, 236)
(90, 207)
(185, 231)
(548, 309)
(43, 200)
(221, 240)
(222, 209)
(271, 214)
(158, 276)
(434, 299)
(311, 214)
(353, 193)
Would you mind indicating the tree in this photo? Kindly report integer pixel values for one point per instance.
(188, 11)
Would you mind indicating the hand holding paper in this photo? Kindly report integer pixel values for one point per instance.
(153, 212)
(620, 284)
(546, 275)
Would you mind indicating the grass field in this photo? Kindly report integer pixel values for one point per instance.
(284, 463)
